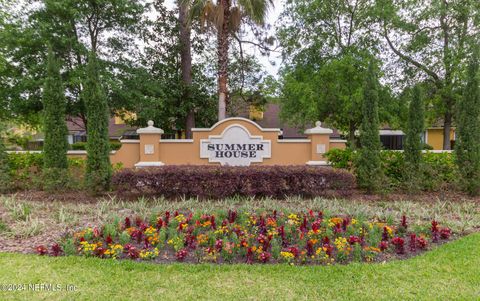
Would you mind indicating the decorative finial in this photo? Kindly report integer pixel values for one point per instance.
(150, 123)
(318, 124)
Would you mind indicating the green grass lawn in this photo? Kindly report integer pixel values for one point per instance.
(450, 272)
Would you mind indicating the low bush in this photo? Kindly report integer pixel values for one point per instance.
(114, 145)
(438, 170)
(26, 170)
(221, 182)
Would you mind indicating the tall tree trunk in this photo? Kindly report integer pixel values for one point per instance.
(222, 49)
(186, 65)
(351, 135)
(447, 125)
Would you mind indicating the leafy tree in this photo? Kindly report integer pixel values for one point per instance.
(73, 28)
(327, 48)
(468, 135)
(226, 17)
(313, 31)
(98, 170)
(368, 165)
(333, 92)
(431, 41)
(55, 145)
(155, 88)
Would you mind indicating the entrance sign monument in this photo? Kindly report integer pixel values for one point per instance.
(230, 142)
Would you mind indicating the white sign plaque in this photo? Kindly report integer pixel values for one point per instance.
(149, 149)
(235, 147)
(321, 149)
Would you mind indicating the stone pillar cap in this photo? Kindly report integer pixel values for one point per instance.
(318, 129)
(150, 129)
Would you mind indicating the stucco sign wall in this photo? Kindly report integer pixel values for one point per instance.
(233, 141)
(235, 147)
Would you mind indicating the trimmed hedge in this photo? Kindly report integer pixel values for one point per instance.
(221, 182)
(438, 170)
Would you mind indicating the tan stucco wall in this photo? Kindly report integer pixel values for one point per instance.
(128, 154)
(183, 152)
(435, 138)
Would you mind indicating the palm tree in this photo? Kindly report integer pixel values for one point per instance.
(226, 17)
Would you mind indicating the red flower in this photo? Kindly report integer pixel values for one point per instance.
(232, 216)
(354, 239)
(421, 243)
(133, 253)
(181, 255)
(159, 223)
(167, 218)
(219, 245)
(434, 230)
(264, 257)
(41, 250)
(445, 233)
(96, 233)
(385, 234)
(310, 248)
(383, 245)
(128, 223)
(294, 251)
(249, 256)
(56, 250)
(316, 226)
(212, 221)
(413, 242)
(404, 222)
(399, 244)
(108, 240)
(99, 252)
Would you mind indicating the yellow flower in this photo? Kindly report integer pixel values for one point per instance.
(180, 218)
(293, 219)
(287, 255)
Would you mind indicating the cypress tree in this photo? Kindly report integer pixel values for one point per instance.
(415, 127)
(468, 134)
(4, 170)
(55, 144)
(98, 170)
(368, 165)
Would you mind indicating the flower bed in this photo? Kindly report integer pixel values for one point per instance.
(240, 237)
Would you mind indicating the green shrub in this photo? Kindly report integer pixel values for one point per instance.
(340, 158)
(79, 146)
(438, 170)
(26, 171)
(114, 145)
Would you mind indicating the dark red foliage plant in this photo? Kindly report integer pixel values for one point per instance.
(56, 250)
(221, 181)
(383, 245)
(445, 233)
(399, 244)
(435, 232)
(41, 250)
(181, 255)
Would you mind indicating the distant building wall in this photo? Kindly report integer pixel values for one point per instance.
(434, 137)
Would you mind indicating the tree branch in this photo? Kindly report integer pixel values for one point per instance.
(410, 60)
